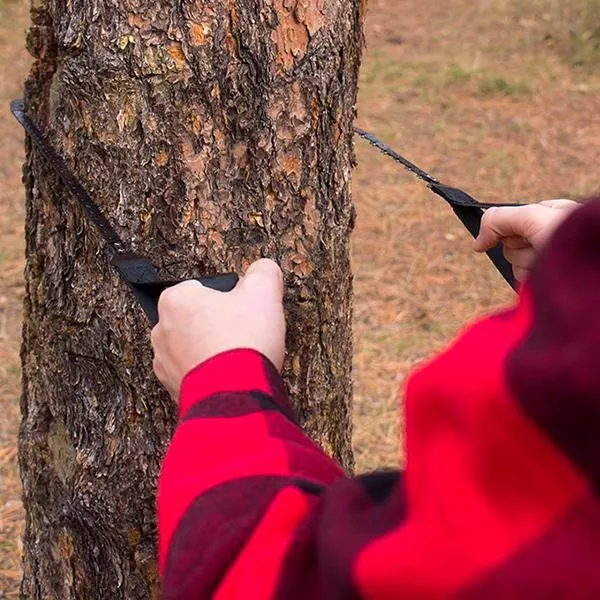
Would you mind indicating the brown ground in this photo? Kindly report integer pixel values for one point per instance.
(501, 98)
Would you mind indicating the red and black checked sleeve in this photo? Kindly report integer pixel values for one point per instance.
(238, 479)
(499, 498)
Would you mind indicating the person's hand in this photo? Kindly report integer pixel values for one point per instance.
(197, 323)
(523, 231)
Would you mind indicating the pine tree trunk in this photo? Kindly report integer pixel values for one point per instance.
(211, 133)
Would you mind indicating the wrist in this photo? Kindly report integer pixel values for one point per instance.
(233, 370)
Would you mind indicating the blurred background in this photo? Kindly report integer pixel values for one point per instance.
(501, 98)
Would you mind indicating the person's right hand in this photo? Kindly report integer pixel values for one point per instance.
(523, 230)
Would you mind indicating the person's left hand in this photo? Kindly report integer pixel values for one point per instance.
(197, 323)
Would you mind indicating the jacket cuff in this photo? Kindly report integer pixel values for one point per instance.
(234, 371)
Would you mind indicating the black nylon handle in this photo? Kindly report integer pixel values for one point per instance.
(144, 281)
(152, 290)
(471, 219)
(470, 213)
(220, 283)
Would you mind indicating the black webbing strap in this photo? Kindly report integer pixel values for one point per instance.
(470, 213)
(143, 279)
(138, 272)
(466, 208)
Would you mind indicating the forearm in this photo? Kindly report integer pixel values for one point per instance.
(236, 451)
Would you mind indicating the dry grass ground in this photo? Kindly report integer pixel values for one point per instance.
(494, 97)
(501, 98)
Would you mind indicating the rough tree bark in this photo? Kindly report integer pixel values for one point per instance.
(212, 132)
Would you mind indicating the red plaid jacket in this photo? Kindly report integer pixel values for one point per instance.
(498, 500)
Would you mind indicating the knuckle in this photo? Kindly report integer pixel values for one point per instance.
(167, 299)
(536, 211)
(155, 336)
(172, 295)
(177, 296)
(488, 216)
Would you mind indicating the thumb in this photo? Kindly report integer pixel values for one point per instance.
(263, 277)
(503, 222)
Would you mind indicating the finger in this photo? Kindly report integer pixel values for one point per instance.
(561, 203)
(498, 223)
(264, 276)
(155, 335)
(516, 243)
(172, 298)
(533, 222)
(159, 370)
(520, 258)
(521, 274)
